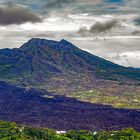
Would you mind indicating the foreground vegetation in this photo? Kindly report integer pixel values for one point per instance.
(12, 131)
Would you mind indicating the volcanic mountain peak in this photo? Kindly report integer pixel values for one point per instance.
(66, 44)
(41, 60)
(44, 43)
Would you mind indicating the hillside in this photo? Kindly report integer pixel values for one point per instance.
(34, 108)
(40, 59)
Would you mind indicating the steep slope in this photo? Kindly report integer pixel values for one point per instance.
(40, 58)
(61, 113)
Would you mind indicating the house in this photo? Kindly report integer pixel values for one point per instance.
(60, 132)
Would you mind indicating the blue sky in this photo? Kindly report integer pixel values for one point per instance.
(115, 1)
(42, 5)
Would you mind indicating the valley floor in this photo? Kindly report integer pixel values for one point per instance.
(30, 107)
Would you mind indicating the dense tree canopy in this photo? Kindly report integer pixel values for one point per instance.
(12, 131)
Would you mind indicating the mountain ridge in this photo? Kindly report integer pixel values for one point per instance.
(65, 55)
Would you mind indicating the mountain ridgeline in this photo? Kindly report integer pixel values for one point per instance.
(40, 60)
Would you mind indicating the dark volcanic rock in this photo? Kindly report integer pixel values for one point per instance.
(29, 107)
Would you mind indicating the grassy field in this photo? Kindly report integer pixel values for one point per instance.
(125, 100)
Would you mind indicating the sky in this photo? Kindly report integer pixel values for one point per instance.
(106, 28)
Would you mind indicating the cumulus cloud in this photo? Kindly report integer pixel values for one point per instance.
(57, 3)
(137, 21)
(137, 32)
(61, 3)
(66, 7)
(104, 6)
(83, 31)
(128, 58)
(16, 14)
(99, 27)
(102, 27)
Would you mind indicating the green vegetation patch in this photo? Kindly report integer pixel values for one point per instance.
(12, 131)
(125, 100)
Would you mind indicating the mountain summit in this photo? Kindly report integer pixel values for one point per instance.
(43, 43)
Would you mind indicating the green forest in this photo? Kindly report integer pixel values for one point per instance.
(12, 131)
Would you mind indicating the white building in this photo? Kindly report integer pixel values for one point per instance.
(60, 132)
